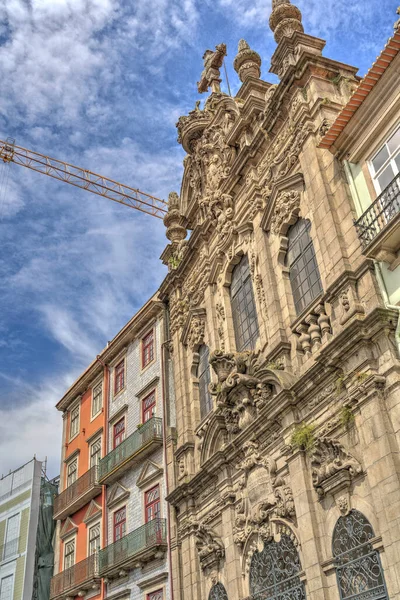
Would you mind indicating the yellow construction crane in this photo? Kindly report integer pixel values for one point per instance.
(82, 178)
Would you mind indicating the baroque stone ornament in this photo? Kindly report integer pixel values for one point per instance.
(209, 545)
(247, 62)
(196, 332)
(287, 208)
(210, 77)
(261, 495)
(332, 467)
(245, 384)
(285, 19)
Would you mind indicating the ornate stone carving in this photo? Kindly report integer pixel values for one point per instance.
(287, 208)
(179, 308)
(285, 19)
(332, 467)
(343, 504)
(219, 309)
(196, 331)
(210, 76)
(209, 545)
(261, 495)
(247, 62)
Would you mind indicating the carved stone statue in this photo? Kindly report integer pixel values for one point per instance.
(210, 77)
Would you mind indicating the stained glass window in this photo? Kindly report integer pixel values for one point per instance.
(358, 567)
(274, 572)
(244, 314)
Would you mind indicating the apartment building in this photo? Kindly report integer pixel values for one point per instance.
(26, 533)
(113, 541)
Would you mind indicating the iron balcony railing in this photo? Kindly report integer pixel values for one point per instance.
(9, 549)
(379, 214)
(76, 491)
(75, 578)
(136, 442)
(146, 537)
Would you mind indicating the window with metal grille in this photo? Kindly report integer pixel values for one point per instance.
(152, 504)
(244, 314)
(218, 592)
(119, 432)
(97, 399)
(94, 538)
(274, 572)
(358, 566)
(204, 377)
(149, 406)
(74, 423)
(119, 377)
(158, 595)
(72, 472)
(95, 452)
(119, 523)
(69, 554)
(147, 349)
(303, 269)
(385, 164)
(6, 587)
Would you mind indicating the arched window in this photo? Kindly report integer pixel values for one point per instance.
(203, 375)
(303, 269)
(244, 312)
(218, 592)
(274, 572)
(358, 566)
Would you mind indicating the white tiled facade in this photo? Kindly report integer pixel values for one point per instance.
(139, 382)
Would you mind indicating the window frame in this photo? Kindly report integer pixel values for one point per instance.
(391, 160)
(115, 525)
(92, 443)
(93, 413)
(237, 296)
(89, 529)
(207, 400)
(123, 373)
(152, 354)
(151, 595)
(150, 504)
(17, 517)
(68, 541)
(74, 460)
(9, 576)
(114, 425)
(77, 408)
(151, 406)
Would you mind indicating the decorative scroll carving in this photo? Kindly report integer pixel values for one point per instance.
(196, 331)
(328, 460)
(209, 545)
(219, 308)
(261, 495)
(287, 208)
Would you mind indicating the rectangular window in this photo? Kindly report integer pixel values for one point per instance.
(6, 587)
(119, 377)
(97, 399)
(385, 165)
(74, 423)
(94, 539)
(158, 595)
(149, 406)
(119, 432)
(72, 472)
(95, 452)
(69, 554)
(119, 523)
(11, 540)
(152, 504)
(147, 349)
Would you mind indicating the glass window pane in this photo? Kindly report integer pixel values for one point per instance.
(397, 161)
(394, 142)
(386, 177)
(244, 313)
(380, 158)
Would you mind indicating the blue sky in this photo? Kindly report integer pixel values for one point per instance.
(101, 84)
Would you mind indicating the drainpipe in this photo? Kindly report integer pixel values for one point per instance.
(165, 396)
(106, 382)
(385, 295)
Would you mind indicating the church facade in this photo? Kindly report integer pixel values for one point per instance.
(283, 469)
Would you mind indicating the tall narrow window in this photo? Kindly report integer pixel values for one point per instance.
(119, 523)
(69, 554)
(147, 349)
(385, 165)
(6, 587)
(152, 504)
(203, 375)
(244, 312)
(149, 406)
(97, 399)
(95, 452)
(94, 539)
(119, 432)
(218, 592)
(11, 541)
(358, 566)
(119, 377)
(74, 423)
(303, 269)
(72, 472)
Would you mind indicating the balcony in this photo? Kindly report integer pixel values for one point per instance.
(77, 580)
(136, 447)
(379, 227)
(77, 494)
(134, 549)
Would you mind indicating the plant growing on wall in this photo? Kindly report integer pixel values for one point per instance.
(346, 417)
(303, 437)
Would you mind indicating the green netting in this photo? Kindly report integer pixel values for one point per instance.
(44, 562)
